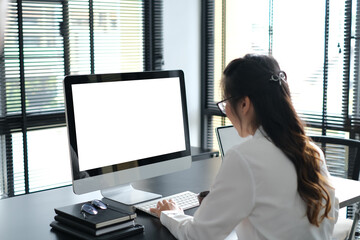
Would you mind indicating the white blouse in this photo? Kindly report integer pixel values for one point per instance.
(255, 194)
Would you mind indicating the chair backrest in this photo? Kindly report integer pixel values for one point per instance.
(342, 158)
(342, 155)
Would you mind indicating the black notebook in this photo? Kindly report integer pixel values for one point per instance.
(113, 235)
(104, 218)
(93, 231)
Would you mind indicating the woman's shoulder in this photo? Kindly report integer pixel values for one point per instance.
(251, 148)
(321, 153)
(323, 165)
(255, 143)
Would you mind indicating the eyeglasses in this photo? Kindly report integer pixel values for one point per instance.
(92, 208)
(222, 104)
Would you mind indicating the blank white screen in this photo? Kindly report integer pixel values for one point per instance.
(229, 137)
(123, 121)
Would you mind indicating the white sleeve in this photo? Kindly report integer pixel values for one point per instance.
(230, 200)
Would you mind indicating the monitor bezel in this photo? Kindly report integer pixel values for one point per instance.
(71, 80)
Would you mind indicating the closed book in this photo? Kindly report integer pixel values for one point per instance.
(103, 218)
(83, 235)
(93, 231)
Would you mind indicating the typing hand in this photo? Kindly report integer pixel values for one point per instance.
(165, 205)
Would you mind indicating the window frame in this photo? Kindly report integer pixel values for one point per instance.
(348, 123)
(24, 122)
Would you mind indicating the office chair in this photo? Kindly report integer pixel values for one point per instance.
(343, 160)
(342, 155)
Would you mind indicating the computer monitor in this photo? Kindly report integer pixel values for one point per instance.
(126, 127)
(228, 137)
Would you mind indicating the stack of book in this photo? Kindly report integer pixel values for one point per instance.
(110, 223)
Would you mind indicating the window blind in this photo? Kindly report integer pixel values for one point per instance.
(355, 79)
(153, 23)
(118, 36)
(76, 30)
(207, 66)
(318, 54)
(43, 56)
(44, 41)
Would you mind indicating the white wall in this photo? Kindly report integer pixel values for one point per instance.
(182, 20)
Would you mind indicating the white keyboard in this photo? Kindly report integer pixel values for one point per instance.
(184, 200)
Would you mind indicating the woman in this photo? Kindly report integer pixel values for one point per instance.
(273, 186)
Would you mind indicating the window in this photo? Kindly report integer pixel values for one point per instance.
(44, 41)
(316, 44)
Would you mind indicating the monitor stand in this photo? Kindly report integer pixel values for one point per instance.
(128, 195)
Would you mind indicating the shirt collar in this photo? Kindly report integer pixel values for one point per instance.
(260, 132)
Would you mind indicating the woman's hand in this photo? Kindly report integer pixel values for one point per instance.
(165, 205)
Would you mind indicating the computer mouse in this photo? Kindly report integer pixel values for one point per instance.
(99, 204)
(202, 195)
(88, 208)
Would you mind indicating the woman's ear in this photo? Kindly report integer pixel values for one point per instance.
(245, 105)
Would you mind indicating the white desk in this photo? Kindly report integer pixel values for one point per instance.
(348, 193)
(346, 190)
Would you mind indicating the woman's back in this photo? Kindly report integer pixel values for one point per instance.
(276, 200)
(275, 185)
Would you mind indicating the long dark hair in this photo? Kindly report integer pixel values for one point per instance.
(260, 78)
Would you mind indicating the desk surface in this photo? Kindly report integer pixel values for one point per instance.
(29, 216)
(347, 191)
